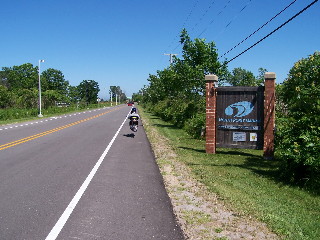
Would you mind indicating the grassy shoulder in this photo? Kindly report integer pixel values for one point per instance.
(247, 183)
(22, 115)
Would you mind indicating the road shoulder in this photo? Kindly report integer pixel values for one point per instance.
(201, 213)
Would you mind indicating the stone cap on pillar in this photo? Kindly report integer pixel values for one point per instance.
(211, 77)
(269, 75)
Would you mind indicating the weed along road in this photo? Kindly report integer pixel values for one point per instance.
(81, 176)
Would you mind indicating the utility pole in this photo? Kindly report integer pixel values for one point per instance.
(170, 54)
(110, 92)
(40, 114)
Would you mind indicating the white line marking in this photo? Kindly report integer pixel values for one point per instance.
(67, 212)
(51, 118)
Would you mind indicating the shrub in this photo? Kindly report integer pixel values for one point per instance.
(6, 97)
(195, 125)
(180, 112)
(298, 144)
(162, 109)
(27, 98)
(17, 113)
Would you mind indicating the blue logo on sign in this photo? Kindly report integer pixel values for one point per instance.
(243, 109)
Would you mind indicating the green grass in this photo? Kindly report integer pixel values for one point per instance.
(13, 115)
(247, 183)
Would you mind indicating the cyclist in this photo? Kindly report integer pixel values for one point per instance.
(134, 117)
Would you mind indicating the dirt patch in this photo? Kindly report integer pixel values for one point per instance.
(201, 214)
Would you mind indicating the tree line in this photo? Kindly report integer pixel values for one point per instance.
(176, 94)
(19, 88)
(116, 92)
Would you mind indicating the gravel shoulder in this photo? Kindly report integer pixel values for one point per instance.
(201, 214)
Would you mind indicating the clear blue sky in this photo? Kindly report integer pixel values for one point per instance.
(121, 42)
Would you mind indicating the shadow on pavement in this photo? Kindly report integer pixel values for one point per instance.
(131, 135)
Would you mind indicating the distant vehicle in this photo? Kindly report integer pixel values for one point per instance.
(130, 103)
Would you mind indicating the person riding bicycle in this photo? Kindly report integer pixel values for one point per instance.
(134, 117)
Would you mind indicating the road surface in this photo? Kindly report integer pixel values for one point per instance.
(82, 176)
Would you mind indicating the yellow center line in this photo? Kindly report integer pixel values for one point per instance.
(27, 139)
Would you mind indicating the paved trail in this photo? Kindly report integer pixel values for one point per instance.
(82, 176)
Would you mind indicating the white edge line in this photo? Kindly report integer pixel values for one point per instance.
(67, 212)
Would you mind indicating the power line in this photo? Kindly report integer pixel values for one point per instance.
(259, 28)
(273, 31)
(185, 22)
(214, 18)
(243, 8)
(221, 11)
(194, 6)
(206, 12)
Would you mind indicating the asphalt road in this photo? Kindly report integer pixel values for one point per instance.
(82, 176)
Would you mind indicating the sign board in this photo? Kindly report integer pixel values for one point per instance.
(253, 137)
(239, 136)
(62, 104)
(239, 117)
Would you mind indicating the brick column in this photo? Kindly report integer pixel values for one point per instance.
(211, 98)
(269, 115)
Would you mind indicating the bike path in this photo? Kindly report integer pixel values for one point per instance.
(126, 199)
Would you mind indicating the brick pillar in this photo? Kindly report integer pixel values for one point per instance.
(211, 98)
(269, 115)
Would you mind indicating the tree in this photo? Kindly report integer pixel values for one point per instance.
(137, 97)
(50, 97)
(54, 87)
(184, 78)
(116, 91)
(123, 97)
(88, 91)
(27, 98)
(24, 76)
(53, 79)
(202, 57)
(177, 92)
(6, 98)
(243, 77)
(199, 54)
(298, 143)
(73, 94)
(3, 78)
(113, 91)
(260, 77)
